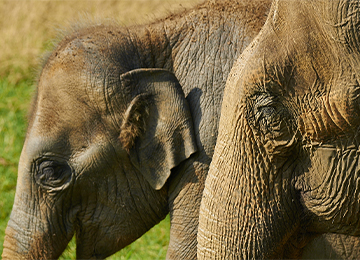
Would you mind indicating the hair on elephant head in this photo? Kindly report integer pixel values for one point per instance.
(286, 163)
(118, 137)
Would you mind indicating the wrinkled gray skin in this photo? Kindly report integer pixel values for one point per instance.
(122, 132)
(286, 164)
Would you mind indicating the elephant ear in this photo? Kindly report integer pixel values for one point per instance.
(157, 129)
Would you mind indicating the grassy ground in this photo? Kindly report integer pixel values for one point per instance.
(27, 29)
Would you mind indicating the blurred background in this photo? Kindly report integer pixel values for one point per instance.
(27, 30)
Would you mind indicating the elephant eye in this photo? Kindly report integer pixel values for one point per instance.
(267, 113)
(53, 175)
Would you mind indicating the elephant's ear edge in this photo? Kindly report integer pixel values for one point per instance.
(157, 131)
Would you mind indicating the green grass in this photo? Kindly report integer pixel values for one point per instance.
(14, 103)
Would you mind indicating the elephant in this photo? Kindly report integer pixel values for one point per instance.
(122, 131)
(284, 179)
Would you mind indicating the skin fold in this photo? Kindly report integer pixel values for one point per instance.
(122, 131)
(284, 180)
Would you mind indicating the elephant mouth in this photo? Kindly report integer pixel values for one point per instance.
(96, 242)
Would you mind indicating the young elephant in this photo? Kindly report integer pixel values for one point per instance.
(122, 132)
(286, 162)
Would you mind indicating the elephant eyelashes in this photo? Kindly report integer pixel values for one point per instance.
(52, 175)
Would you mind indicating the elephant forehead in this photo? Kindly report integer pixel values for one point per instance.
(57, 107)
(81, 73)
(71, 95)
(65, 121)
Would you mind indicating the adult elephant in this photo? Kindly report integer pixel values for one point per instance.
(286, 163)
(122, 132)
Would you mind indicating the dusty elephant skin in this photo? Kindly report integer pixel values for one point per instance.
(286, 164)
(122, 132)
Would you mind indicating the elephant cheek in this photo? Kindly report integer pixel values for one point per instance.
(332, 190)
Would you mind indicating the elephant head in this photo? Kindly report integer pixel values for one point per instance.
(99, 149)
(286, 163)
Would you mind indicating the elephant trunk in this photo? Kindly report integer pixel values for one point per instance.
(35, 230)
(247, 210)
(29, 237)
(12, 247)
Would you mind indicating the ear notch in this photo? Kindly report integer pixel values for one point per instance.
(157, 130)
